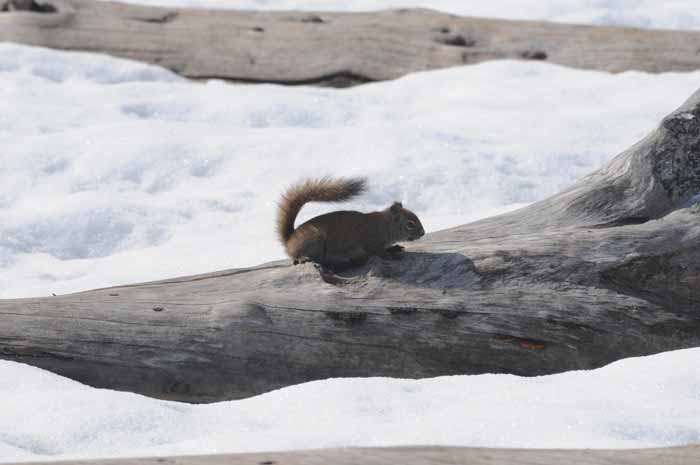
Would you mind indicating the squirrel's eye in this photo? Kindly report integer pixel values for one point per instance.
(411, 224)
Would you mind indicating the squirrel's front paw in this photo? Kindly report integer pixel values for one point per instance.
(394, 249)
(394, 252)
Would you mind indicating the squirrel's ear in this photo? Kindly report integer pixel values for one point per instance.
(395, 209)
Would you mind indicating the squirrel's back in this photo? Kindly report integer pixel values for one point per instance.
(314, 190)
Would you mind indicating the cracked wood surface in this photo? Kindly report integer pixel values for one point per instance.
(607, 269)
(336, 49)
(688, 455)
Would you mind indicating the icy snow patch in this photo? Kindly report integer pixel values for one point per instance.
(639, 402)
(59, 67)
(115, 172)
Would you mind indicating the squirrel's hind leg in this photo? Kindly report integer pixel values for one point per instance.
(350, 259)
(329, 275)
(334, 263)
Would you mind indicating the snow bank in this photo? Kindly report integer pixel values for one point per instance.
(668, 14)
(116, 172)
(650, 401)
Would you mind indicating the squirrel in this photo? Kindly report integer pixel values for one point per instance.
(342, 239)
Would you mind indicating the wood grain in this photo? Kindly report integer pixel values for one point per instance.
(688, 455)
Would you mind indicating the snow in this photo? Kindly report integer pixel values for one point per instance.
(116, 172)
(639, 402)
(667, 14)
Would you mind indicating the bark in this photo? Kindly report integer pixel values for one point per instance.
(336, 49)
(607, 269)
(688, 455)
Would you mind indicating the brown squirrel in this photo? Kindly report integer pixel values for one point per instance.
(342, 239)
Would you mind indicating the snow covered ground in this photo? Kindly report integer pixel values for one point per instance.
(115, 172)
(669, 14)
(651, 401)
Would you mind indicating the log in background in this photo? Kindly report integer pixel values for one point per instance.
(688, 455)
(336, 49)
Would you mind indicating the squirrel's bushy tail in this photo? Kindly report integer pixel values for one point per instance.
(314, 190)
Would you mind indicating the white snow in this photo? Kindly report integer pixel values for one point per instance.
(115, 172)
(666, 14)
(640, 402)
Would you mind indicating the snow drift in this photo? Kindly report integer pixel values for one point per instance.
(640, 402)
(115, 172)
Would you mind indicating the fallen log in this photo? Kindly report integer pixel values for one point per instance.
(687, 455)
(325, 48)
(609, 268)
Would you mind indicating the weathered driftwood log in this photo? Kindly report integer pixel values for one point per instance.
(688, 455)
(607, 269)
(338, 49)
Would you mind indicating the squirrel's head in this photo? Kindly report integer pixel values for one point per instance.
(405, 224)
